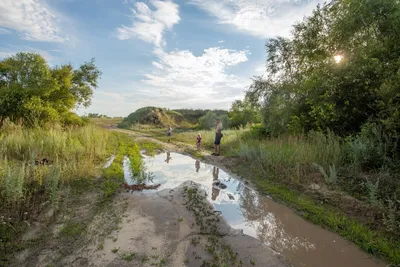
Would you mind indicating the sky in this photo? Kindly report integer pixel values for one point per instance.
(165, 53)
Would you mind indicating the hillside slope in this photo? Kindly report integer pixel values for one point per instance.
(161, 117)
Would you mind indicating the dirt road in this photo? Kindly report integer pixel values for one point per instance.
(170, 228)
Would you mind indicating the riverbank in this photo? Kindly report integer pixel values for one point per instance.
(327, 206)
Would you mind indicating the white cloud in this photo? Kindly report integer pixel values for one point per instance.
(221, 41)
(179, 79)
(261, 18)
(149, 25)
(4, 31)
(31, 18)
(185, 80)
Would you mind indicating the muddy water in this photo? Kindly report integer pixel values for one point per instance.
(300, 242)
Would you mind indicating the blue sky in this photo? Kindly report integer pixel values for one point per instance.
(168, 53)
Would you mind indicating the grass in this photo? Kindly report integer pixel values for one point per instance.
(292, 163)
(371, 241)
(72, 230)
(129, 256)
(114, 174)
(229, 141)
(150, 148)
(72, 154)
(74, 161)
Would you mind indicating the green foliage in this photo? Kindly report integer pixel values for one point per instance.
(72, 154)
(161, 117)
(34, 93)
(370, 240)
(72, 229)
(243, 112)
(306, 89)
(371, 149)
(208, 121)
(330, 176)
(129, 256)
(96, 115)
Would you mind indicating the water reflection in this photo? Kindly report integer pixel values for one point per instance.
(168, 157)
(300, 242)
(215, 189)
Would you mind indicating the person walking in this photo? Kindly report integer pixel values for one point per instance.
(169, 133)
(218, 136)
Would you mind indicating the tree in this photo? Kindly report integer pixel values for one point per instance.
(208, 120)
(243, 112)
(307, 89)
(32, 92)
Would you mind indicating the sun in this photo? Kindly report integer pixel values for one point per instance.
(338, 58)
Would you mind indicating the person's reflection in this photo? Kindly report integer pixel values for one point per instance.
(215, 189)
(168, 157)
(197, 165)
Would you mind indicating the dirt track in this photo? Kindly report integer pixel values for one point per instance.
(160, 229)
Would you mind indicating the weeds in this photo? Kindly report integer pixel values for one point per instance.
(35, 163)
(72, 230)
(372, 191)
(128, 256)
(331, 176)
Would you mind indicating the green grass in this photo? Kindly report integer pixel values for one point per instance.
(150, 147)
(72, 230)
(114, 174)
(129, 256)
(289, 162)
(371, 241)
(73, 154)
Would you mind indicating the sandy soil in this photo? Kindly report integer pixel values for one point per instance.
(168, 228)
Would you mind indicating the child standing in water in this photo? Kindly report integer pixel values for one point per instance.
(198, 141)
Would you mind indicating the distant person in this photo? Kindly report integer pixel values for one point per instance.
(218, 136)
(169, 133)
(197, 165)
(198, 141)
(168, 157)
(215, 189)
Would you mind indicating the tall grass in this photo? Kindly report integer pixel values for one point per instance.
(325, 150)
(25, 183)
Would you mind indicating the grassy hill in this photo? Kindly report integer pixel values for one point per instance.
(162, 117)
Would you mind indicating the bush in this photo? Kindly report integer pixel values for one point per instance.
(208, 121)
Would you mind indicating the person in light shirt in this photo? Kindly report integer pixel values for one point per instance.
(218, 136)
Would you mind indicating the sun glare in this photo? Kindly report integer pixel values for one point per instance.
(338, 58)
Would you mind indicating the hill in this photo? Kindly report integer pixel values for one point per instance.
(162, 117)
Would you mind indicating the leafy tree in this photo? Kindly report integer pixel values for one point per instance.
(226, 123)
(243, 112)
(208, 120)
(32, 92)
(307, 89)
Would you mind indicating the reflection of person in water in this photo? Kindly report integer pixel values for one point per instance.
(215, 190)
(168, 157)
(197, 165)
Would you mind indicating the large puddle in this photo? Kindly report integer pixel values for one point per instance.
(300, 242)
